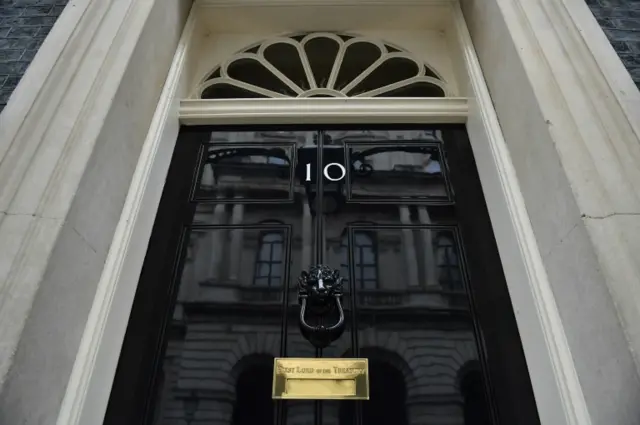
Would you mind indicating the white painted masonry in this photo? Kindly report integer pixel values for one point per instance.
(571, 134)
(69, 144)
(554, 121)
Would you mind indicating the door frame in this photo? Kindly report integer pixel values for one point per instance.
(553, 373)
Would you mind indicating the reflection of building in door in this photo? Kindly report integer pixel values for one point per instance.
(414, 323)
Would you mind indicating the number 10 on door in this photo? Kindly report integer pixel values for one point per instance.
(325, 172)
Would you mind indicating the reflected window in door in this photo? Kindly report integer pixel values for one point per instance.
(447, 261)
(268, 270)
(365, 259)
(276, 161)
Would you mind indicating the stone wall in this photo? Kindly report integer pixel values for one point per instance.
(24, 24)
(620, 20)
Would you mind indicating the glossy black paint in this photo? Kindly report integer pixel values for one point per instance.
(481, 304)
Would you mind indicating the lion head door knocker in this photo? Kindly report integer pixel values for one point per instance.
(320, 294)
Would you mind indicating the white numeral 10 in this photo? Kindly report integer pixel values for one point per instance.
(343, 171)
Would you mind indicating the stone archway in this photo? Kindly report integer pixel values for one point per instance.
(470, 383)
(391, 343)
(388, 374)
(252, 375)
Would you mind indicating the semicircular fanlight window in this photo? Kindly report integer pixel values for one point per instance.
(322, 65)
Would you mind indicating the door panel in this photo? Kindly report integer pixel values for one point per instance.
(399, 212)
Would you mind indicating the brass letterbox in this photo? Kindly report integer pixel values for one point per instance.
(320, 379)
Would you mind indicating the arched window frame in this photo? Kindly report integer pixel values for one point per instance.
(404, 74)
(269, 279)
(359, 254)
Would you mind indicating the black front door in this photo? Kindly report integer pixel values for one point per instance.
(398, 211)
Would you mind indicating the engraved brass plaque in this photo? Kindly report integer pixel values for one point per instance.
(320, 379)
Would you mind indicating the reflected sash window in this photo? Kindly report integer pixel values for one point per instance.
(269, 261)
(365, 260)
(447, 261)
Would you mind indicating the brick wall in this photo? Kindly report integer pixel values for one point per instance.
(24, 24)
(620, 20)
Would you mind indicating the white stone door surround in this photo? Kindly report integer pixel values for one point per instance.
(553, 118)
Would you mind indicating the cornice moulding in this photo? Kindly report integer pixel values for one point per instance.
(306, 3)
(323, 110)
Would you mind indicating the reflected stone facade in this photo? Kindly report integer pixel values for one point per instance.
(408, 291)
